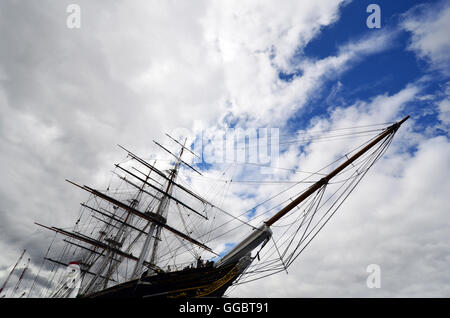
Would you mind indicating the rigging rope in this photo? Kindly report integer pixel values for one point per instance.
(272, 266)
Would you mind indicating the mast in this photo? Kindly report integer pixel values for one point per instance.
(163, 208)
(102, 249)
(12, 271)
(135, 203)
(264, 233)
(108, 262)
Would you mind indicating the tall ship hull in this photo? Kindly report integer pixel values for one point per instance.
(191, 283)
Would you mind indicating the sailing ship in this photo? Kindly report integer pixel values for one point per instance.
(156, 238)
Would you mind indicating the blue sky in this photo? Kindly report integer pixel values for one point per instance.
(386, 72)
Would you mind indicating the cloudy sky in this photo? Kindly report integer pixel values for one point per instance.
(135, 70)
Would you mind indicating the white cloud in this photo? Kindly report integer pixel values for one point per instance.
(444, 112)
(273, 101)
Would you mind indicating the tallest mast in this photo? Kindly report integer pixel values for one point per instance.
(160, 211)
(163, 205)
